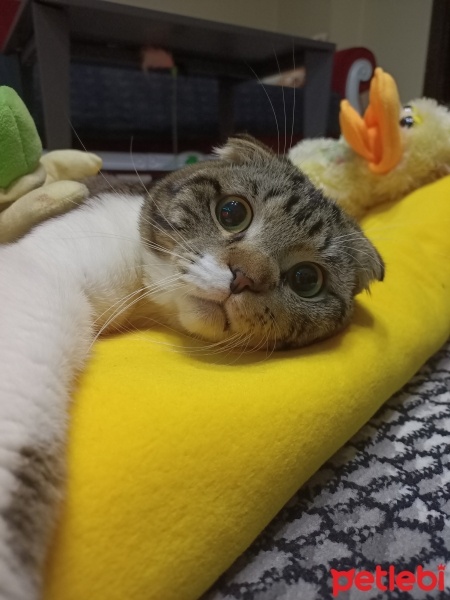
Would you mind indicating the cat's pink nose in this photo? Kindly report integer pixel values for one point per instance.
(241, 282)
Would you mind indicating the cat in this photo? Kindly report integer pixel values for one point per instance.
(242, 250)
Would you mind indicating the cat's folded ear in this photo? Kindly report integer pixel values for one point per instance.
(369, 264)
(243, 149)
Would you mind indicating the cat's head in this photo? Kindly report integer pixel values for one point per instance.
(245, 247)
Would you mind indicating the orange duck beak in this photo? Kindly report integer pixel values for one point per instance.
(376, 136)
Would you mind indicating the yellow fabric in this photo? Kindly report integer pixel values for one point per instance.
(377, 136)
(178, 461)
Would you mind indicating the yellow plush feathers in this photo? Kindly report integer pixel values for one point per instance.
(377, 160)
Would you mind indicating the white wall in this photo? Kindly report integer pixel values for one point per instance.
(308, 18)
(395, 30)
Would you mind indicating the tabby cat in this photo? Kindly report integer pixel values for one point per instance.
(242, 250)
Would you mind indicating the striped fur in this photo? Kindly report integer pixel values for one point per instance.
(293, 222)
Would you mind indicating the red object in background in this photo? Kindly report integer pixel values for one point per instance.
(343, 60)
(8, 9)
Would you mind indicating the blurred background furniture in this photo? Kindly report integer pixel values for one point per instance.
(8, 10)
(117, 107)
(112, 32)
(437, 73)
(352, 71)
(110, 105)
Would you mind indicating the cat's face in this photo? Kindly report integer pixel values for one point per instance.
(253, 252)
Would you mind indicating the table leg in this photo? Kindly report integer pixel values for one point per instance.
(317, 90)
(51, 30)
(10, 72)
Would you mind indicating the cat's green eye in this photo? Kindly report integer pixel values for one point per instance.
(306, 279)
(234, 213)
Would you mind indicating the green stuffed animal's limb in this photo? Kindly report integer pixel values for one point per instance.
(20, 147)
(37, 206)
(23, 185)
(70, 164)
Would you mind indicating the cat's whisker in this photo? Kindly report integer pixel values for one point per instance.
(294, 92)
(191, 350)
(347, 237)
(360, 251)
(115, 316)
(135, 169)
(119, 302)
(213, 347)
(352, 257)
(276, 331)
(155, 225)
(159, 248)
(270, 102)
(244, 348)
(273, 326)
(216, 347)
(284, 102)
(161, 284)
(209, 348)
(236, 344)
(145, 293)
(219, 347)
(106, 235)
(274, 345)
(240, 344)
(101, 173)
(262, 343)
(163, 288)
(225, 347)
(93, 235)
(266, 343)
(179, 235)
(113, 236)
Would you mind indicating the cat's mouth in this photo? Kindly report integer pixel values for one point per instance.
(213, 310)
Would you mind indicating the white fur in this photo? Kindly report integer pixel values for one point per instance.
(205, 280)
(53, 284)
(210, 278)
(59, 285)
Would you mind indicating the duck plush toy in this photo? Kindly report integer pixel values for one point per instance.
(35, 187)
(382, 156)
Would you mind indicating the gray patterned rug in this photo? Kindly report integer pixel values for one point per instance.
(383, 499)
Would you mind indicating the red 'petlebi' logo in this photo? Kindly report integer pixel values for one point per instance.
(389, 579)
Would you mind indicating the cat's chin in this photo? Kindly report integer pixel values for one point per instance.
(212, 322)
(204, 318)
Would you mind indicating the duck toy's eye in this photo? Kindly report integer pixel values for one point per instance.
(408, 118)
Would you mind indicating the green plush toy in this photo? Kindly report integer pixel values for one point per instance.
(35, 187)
(21, 147)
